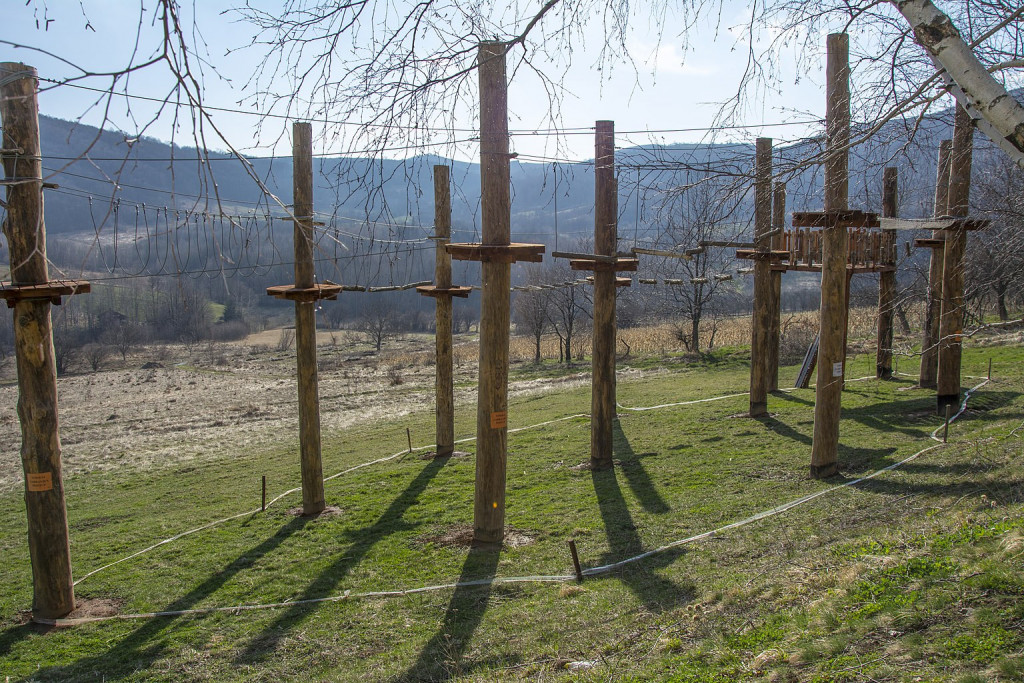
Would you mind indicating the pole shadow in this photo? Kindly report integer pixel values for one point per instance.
(390, 522)
(636, 476)
(140, 649)
(654, 591)
(441, 658)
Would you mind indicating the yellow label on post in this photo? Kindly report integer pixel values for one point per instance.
(41, 481)
(499, 419)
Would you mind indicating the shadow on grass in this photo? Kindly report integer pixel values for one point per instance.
(784, 430)
(141, 648)
(656, 592)
(15, 634)
(636, 476)
(362, 540)
(441, 658)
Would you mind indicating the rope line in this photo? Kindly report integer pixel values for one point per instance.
(554, 578)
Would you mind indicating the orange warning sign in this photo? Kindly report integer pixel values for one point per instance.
(41, 481)
(499, 419)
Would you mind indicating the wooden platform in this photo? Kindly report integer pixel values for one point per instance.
(619, 281)
(52, 290)
(326, 290)
(620, 264)
(496, 253)
(827, 219)
(441, 292)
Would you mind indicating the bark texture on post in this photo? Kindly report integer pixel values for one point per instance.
(602, 400)
(305, 322)
(933, 305)
(763, 290)
(775, 299)
(835, 249)
(886, 282)
(492, 400)
(443, 384)
(951, 321)
(48, 542)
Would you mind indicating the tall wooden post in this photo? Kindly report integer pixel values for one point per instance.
(492, 401)
(48, 544)
(602, 401)
(444, 388)
(951, 320)
(762, 278)
(835, 251)
(933, 305)
(775, 300)
(305, 321)
(886, 281)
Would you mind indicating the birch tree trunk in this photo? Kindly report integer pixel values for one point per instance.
(996, 112)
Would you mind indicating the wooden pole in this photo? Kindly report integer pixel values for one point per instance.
(762, 318)
(951, 320)
(305, 321)
(602, 398)
(775, 300)
(933, 304)
(492, 398)
(48, 543)
(835, 249)
(443, 383)
(886, 281)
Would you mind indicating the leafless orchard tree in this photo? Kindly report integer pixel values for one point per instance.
(695, 209)
(995, 257)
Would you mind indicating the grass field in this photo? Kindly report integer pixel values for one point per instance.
(914, 575)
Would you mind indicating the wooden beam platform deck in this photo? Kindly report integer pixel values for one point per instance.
(440, 292)
(324, 290)
(52, 291)
(618, 265)
(496, 253)
(842, 217)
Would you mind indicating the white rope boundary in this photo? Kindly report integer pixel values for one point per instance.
(591, 571)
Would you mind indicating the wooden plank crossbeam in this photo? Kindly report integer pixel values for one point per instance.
(930, 242)
(842, 217)
(324, 290)
(753, 254)
(687, 255)
(52, 290)
(496, 253)
(951, 223)
(619, 281)
(619, 264)
(440, 292)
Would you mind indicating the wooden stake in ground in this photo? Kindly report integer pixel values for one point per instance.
(775, 300)
(886, 283)
(835, 253)
(763, 290)
(48, 544)
(933, 306)
(492, 401)
(305, 321)
(602, 404)
(952, 317)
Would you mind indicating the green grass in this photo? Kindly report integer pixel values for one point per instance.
(913, 575)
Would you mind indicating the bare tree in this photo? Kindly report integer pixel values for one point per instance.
(378, 324)
(995, 259)
(692, 214)
(531, 310)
